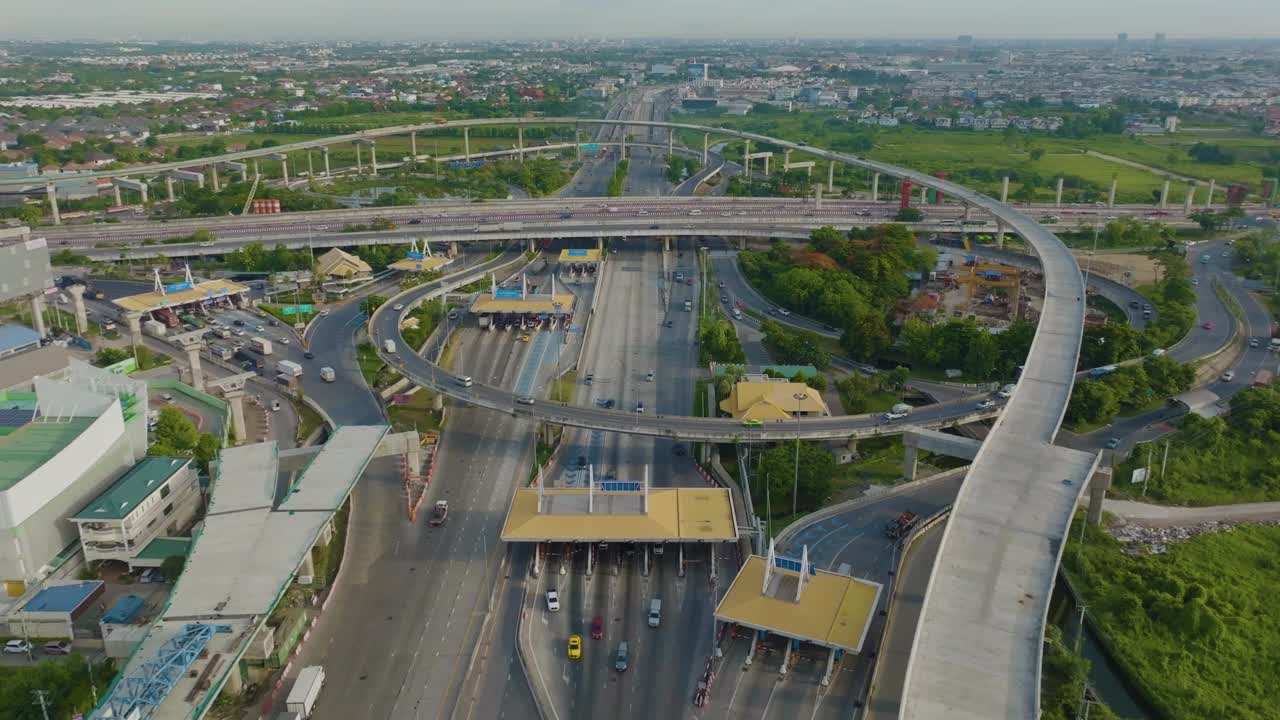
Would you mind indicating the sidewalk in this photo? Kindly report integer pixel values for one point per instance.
(1168, 516)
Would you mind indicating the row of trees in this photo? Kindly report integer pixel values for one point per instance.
(176, 436)
(64, 682)
(794, 346)
(618, 182)
(717, 342)
(962, 344)
(255, 257)
(680, 167)
(1129, 388)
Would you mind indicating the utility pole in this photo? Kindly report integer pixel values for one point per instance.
(1162, 463)
(42, 702)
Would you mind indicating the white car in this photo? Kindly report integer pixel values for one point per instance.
(284, 341)
(397, 307)
(891, 416)
(1228, 376)
(553, 603)
(1006, 392)
(986, 404)
(17, 647)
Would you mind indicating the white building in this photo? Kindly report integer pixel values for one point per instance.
(61, 444)
(130, 522)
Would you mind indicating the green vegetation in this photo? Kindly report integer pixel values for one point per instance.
(68, 258)
(793, 346)
(176, 436)
(1216, 461)
(492, 181)
(1127, 232)
(1194, 627)
(618, 182)
(65, 681)
(909, 214)
(375, 225)
(795, 183)
(717, 341)
(231, 199)
(308, 420)
(680, 167)
(962, 344)
(1130, 389)
(1257, 257)
(777, 470)
(1174, 299)
(375, 372)
(428, 316)
(879, 462)
(564, 387)
(288, 313)
(147, 358)
(1062, 681)
(255, 257)
(852, 282)
(416, 414)
(861, 394)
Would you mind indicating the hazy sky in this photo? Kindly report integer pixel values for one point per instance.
(429, 19)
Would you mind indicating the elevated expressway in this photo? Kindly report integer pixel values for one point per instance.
(977, 651)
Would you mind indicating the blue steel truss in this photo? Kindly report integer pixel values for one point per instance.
(619, 486)
(153, 679)
(793, 565)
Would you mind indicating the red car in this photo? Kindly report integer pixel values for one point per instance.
(597, 627)
(1207, 324)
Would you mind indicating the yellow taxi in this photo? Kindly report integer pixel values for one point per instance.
(575, 647)
(753, 423)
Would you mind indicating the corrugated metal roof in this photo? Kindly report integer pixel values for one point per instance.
(132, 488)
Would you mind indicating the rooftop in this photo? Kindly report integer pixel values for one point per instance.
(833, 610)
(679, 514)
(337, 263)
(426, 264)
(163, 548)
(34, 444)
(530, 304)
(63, 598)
(131, 489)
(583, 256)
(146, 302)
(14, 337)
(772, 399)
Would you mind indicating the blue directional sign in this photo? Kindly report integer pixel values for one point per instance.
(416, 256)
(590, 147)
(577, 253)
(177, 287)
(620, 486)
(786, 563)
(507, 294)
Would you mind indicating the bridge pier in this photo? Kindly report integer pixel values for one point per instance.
(1164, 195)
(831, 176)
(213, 177)
(520, 142)
(910, 462)
(852, 444)
(535, 567)
(52, 195)
(37, 316)
(453, 248)
(413, 149)
(1004, 189)
(999, 233)
(359, 162)
(193, 359)
(466, 144)
(751, 651)
(1208, 199)
(135, 327)
(1098, 486)
(875, 187)
(115, 190)
(1111, 194)
(924, 195)
(742, 243)
(1057, 199)
(311, 166)
(168, 186)
(235, 398)
(644, 563)
(234, 684)
(666, 244)
(437, 402)
(746, 158)
(831, 663)
(325, 151)
(77, 301)
(706, 138)
(1191, 198)
(680, 559)
(600, 244)
(817, 196)
(284, 170)
(591, 558)
(671, 144)
(373, 157)
(533, 245)
(786, 659)
(257, 174)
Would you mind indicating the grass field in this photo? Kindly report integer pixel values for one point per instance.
(415, 414)
(954, 152)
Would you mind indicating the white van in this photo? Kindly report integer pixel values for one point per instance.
(465, 381)
(389, 345)
(655, 612)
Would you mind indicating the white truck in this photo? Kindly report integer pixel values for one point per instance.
(389, 345)
(289, 367)
(306, 689)
(327, 374)
(262, 346)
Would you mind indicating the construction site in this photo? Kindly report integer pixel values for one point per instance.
(965, 285)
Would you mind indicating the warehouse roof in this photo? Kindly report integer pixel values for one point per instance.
(146, 302)
(125, 494)
(541, 304)
(34, 444)
(674, 514)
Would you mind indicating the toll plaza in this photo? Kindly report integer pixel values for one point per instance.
(791, 597)
(171, 305)
(576, 263)
(420, 260)
(523, 308)
(619, 511)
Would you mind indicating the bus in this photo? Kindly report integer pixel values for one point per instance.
(222, 352)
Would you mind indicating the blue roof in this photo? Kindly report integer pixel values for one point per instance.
(13, 337)
(125, 609)
(63, 598)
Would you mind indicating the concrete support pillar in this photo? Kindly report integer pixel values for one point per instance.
(967, 211)
(1164, 194)
(671, 144)
(786, 659)
(680, 559)
(831, 176)
(704, 453)
(591, 558)
(817, 196)
(373, 157)
(1098, 485)
(600, 244)
(666, 244)
(453, 248)
(77, 300)
(466, 143)
(168, 186)
(999, 233)
(135, 327)
(284, 170)
(234, 683)
(325, 152)
(533, 245)
(852, 444)
(644, 560)
(751, 651)
(766, 166)
(742, 243)
(1057, 199)
(831, 663)
(143, 188)
(1208, 199)
(115, 191)
(1004, 189)
(197, 372)
(520, 142)
(875, 187)
(413, 148)
(437, 402)
(1190, 200)
(359, 161)
(235, 398)
(706, 138)
(213, 175)
(257, 172)
(622, 154)
(311, 165)
(52, 195)
(924, 195)
(909, 463)
(1111, 194)
(37, 316)
(745, 157)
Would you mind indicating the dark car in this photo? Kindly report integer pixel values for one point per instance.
(566, 216)
(308, 354)
(238, 323)
(582, 461)
(416, 221)
(609, 404)
(1113, 443)
(667, 323)
(597, 627)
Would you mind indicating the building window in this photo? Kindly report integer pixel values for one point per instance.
(164, 491)
(168, 508)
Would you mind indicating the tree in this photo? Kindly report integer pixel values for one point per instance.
(172, 567)
(175, 430)
(30, 215)
(110, 356)
(1092, 403)
(1037, 154)
(205, 450)
(909, 214)
(816, 468)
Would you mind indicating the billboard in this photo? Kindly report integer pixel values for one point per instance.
(291, 309)
(177, 287)
(577, 253)
(504, 294)
(24, 269)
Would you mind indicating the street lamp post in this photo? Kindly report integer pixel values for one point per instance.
(795, 486)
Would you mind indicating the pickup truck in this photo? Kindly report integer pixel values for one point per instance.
(439, 512)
